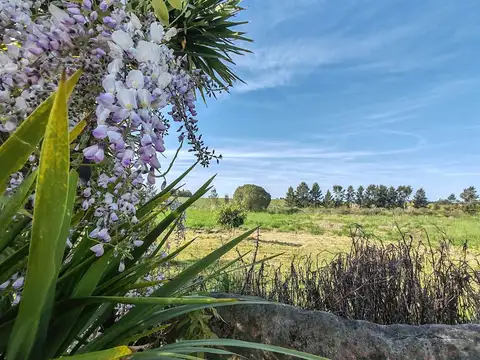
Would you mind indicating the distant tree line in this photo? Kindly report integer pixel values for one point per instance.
(379, 196)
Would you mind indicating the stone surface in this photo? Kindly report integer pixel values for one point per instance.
(333, 337)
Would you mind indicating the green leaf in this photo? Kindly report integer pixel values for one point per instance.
(165, 315)
(170, 218)
(147, 333)
(110, 354)
(46, 246)
(18, 147)
(62, 328)
(77, 130)
(13, 205)
(16, 229)
(149, 206)
(176, 4)
(13, 263)
(148, 300)
(164, 355)
(143, 311)
(161, 11)
(152, 354)
(238, 344)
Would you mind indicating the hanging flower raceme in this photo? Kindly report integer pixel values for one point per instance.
(131, 77)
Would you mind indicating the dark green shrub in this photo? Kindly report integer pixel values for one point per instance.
(231, 216)
(252, 197)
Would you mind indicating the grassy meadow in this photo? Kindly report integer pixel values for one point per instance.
(324, 232)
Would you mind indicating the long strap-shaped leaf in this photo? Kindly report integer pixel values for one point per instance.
(112, 335)
(150, 205)
(110, 354)
(18, 147)
(236, 344)
(13, 205)
(46, 245)
(148, 300)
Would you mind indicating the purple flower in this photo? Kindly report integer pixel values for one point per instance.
(102, 112)
(110, 22)
(18, 283)
(87, 5)
(106, 99)
(100, 132)
(54, 44)
(146, 140)
(127, 158)
(104, 5)
(35, 50)
(114, 216)
(108, 198)
(17, 299)
(100, 52)
(154, 162)
(93, 15)
(98, 250)
(94, 153)
(87, 192)
(146, 153)
(74, 10)
(94, 233)
(138, 243)
(4, 285)
(151, 178)
(113, 135)
(119, 145)
(80, 19)
(158, 143)
(103, 234)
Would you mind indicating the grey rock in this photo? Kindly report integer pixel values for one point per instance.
(330, 336)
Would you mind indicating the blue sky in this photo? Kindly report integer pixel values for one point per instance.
(350, 92)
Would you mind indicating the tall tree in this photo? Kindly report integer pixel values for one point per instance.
(370, 195)
(392, 200)
(328, 199)
(469, 195)
(350, 197)
(382, 196)
(315, 195)
(290, 198)
(338, 195)
(403, 195)
(420, 199)
(359, 196)
(303, 195)
(452, 199)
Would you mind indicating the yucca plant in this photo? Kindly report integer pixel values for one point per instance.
(207, 35)
(67, 306)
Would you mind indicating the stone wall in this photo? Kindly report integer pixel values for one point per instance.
(333, 337)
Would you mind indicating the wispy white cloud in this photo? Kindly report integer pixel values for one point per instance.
(278, 65)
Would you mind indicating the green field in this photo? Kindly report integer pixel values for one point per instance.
(325, 232)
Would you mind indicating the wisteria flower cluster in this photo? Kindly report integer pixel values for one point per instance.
(131, 78)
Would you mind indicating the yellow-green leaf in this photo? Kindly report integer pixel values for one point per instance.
(110, 354)
(176, 4)
(46, 246)
(161, 11)
(77, 130)
(18, 147)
